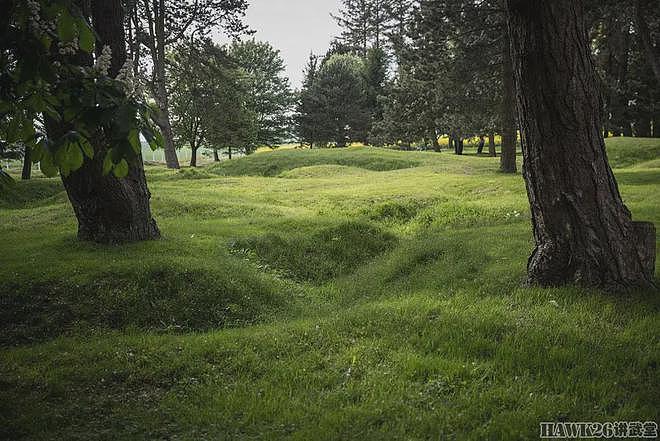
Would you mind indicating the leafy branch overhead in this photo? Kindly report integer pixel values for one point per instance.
(52, 79)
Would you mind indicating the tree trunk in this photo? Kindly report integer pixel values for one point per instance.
(216, 158)
(229, 151)
(109, 209)
(160, 92)
(509, 136)
(27, 164)
(491, 145)
(459, 143)
(163, 118)
(193, 157)
(656, 126)
(434, 141)
(584, 233)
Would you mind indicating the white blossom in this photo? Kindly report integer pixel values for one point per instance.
(104, 61)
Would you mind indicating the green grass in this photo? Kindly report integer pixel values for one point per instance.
(327, 295)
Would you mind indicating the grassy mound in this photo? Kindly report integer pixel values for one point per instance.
(625, 152)
(274, 163)
(322, 171)
(37, 192)
(166, 298)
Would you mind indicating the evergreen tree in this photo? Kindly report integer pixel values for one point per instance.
(333, 106)
(309, 120)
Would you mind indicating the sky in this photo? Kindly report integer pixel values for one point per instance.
(296, 28)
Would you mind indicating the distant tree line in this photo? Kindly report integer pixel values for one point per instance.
(229, 99)
(429, 68)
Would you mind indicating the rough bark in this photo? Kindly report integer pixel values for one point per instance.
(110, 209)
(509, 136)
(26, 173)
(584, 233)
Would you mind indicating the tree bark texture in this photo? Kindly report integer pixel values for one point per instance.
(584, 233)
(110, 209)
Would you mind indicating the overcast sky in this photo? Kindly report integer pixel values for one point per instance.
(295, 27)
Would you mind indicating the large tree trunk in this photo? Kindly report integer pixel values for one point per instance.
(584, 233)
(509, 136)
(26, 173)
(492, 151)
(109, 209)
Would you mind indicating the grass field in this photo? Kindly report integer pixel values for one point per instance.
(316, 295)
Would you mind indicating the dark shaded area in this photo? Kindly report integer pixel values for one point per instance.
(165, 299)
(320, 256)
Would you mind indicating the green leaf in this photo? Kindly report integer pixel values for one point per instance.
(74, 157)
(48, 167)
(65, 170)
(28, 132)
(86, 147)
(160, 141)
(134, 139)
(107, 163)
(37, 152)
(13, 129)
(86, 36)
(60, 157)
(46, 41)
(66, 27)
(121, 169)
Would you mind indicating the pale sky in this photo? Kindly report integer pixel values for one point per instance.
(296, 28)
